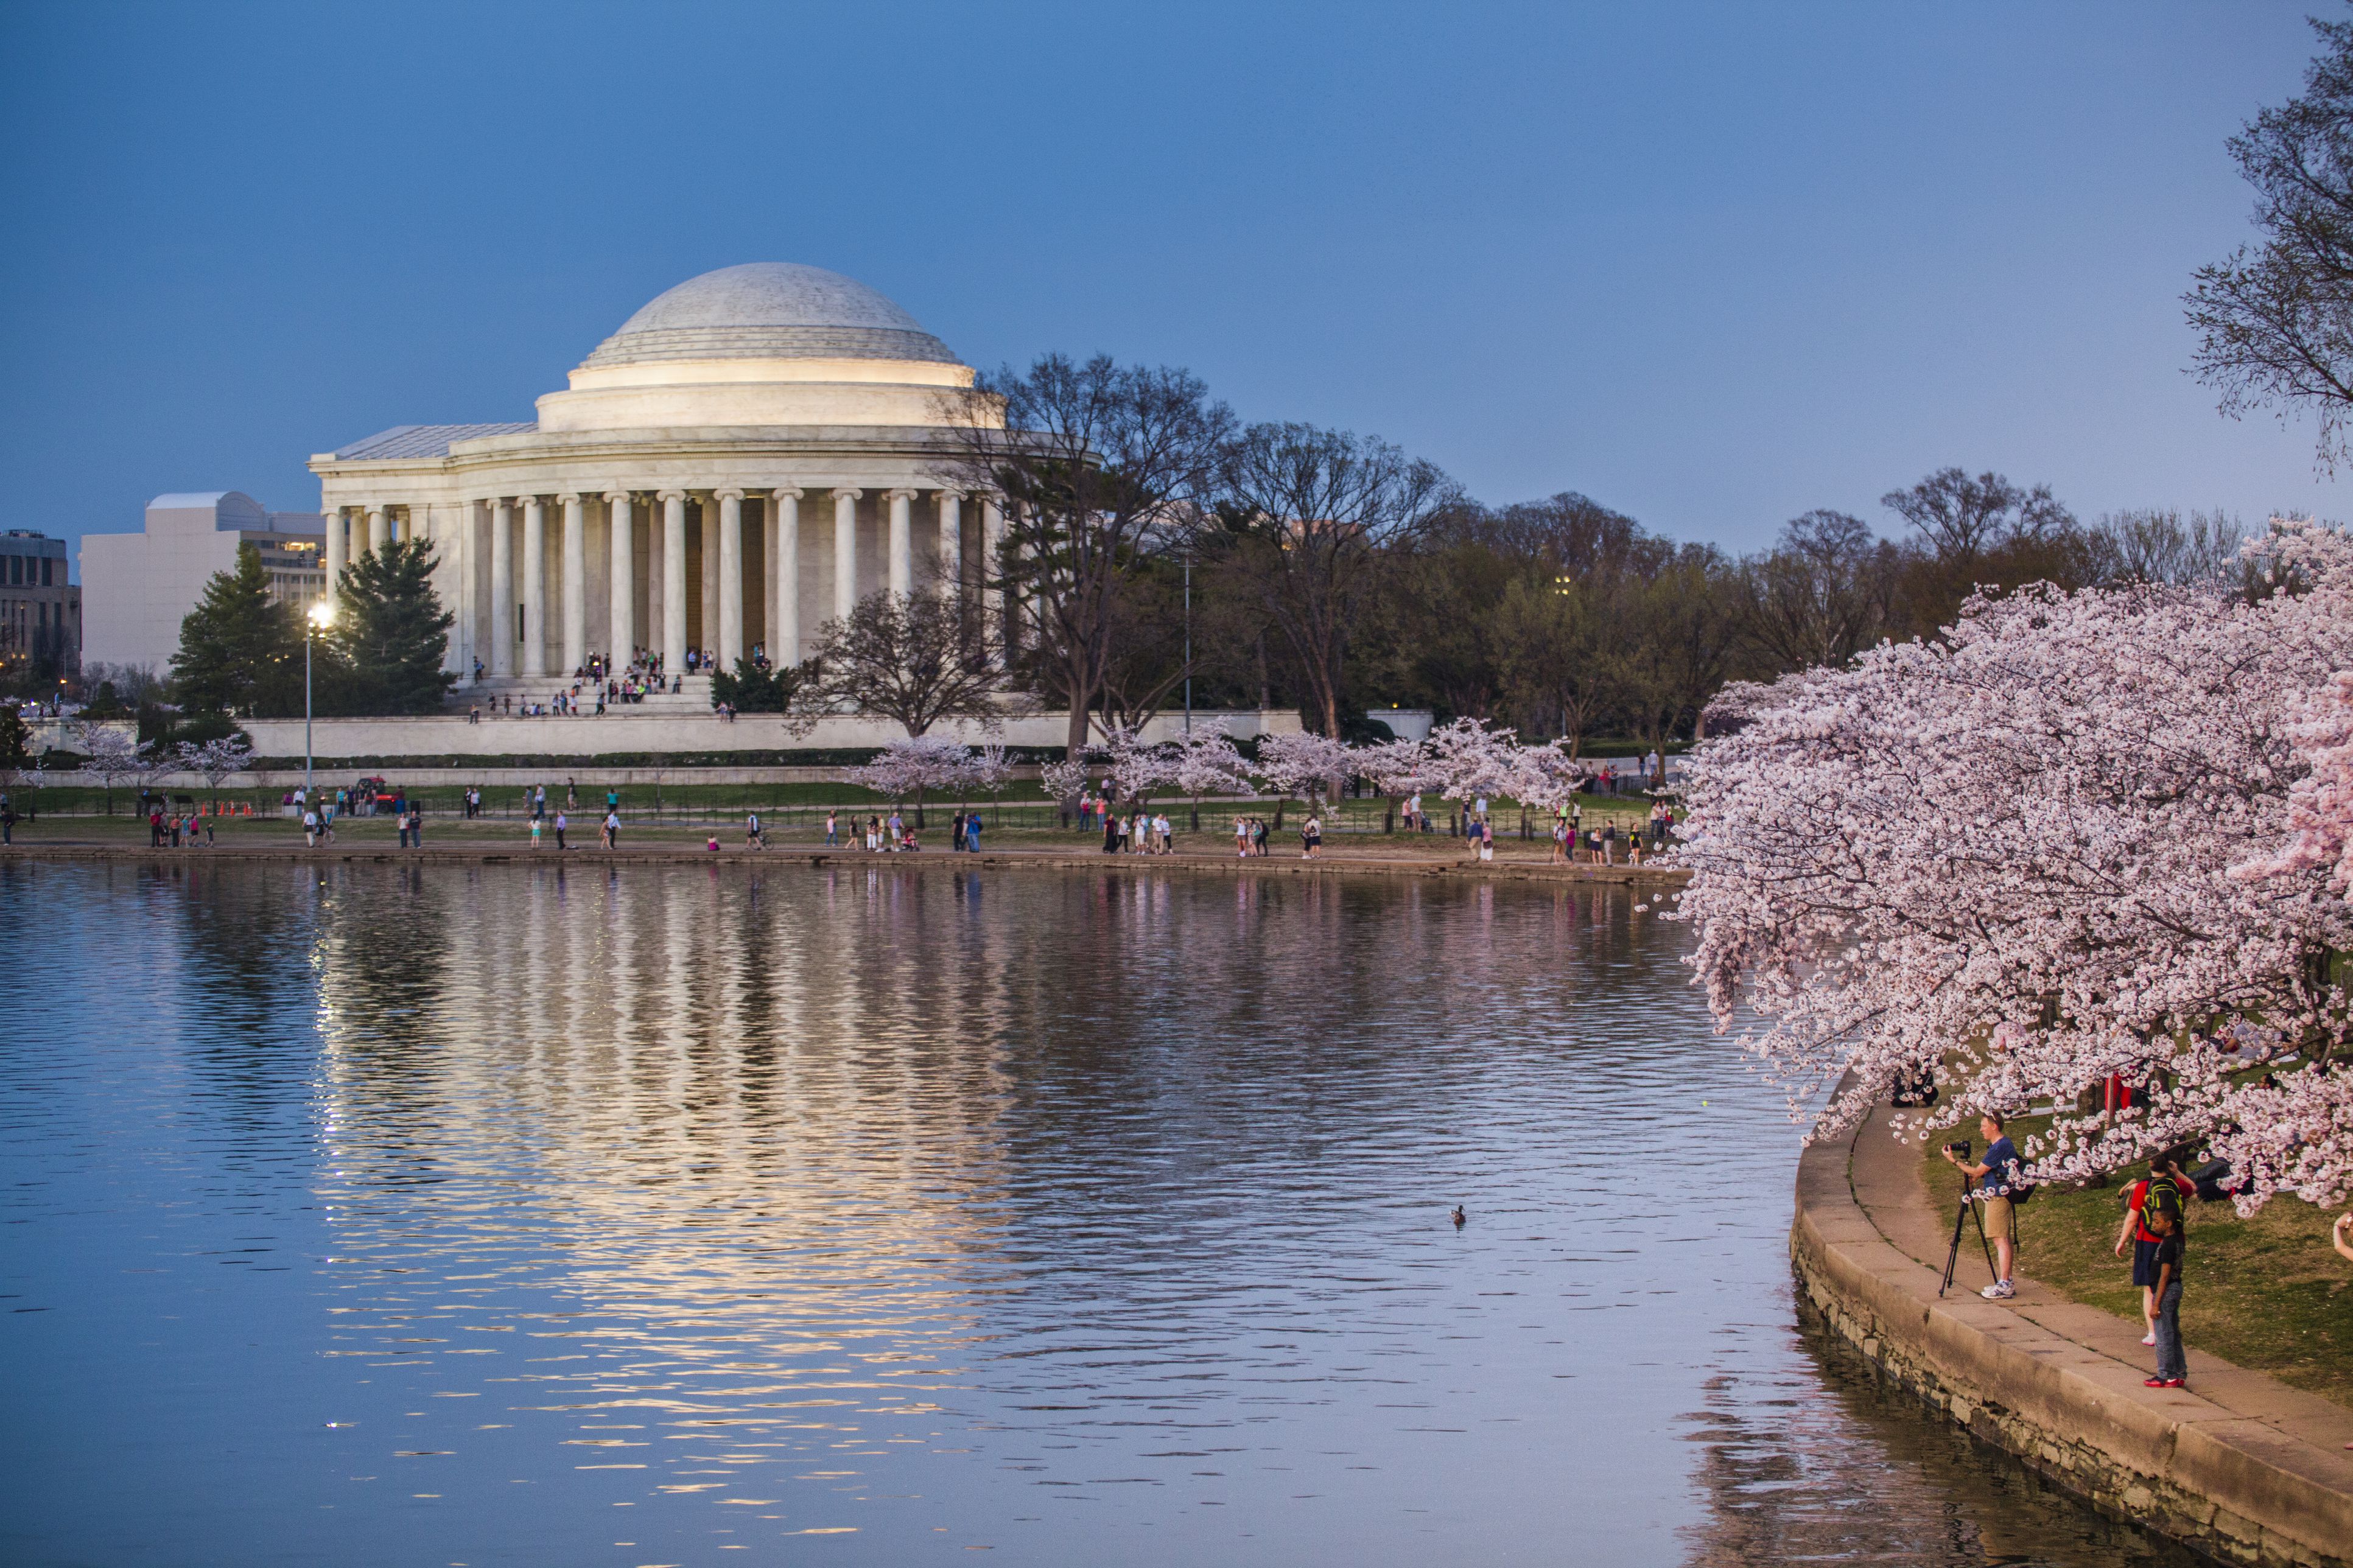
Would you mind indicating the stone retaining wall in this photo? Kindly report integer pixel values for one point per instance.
(2236, 1487)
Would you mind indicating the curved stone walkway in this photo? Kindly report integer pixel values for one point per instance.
(2238, 1462)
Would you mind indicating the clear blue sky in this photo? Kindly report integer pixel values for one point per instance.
(1711, 265)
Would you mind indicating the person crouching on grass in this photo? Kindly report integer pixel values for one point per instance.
(1992, 1193)
(2172, 1367)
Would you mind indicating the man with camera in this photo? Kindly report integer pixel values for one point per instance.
(1994, 1180)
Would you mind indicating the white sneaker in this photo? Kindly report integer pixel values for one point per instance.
(2148, 1339)
(1999, 1290)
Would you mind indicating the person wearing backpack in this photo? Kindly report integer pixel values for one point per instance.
(1997, 1191)
(2155, 1193)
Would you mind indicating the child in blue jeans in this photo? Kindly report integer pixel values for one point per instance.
(2172, 1367)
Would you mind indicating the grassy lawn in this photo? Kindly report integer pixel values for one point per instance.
(2267, 1293)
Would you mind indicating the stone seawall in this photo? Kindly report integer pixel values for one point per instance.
(2237, 1465)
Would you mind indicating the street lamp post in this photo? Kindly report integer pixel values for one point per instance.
(321, 616)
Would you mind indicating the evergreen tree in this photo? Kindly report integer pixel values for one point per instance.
(240, 651)
(15, 742)
(391, 634)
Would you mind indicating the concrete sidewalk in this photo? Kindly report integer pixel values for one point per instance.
(455, 846)
(1887, 1180)
(2238, 1462)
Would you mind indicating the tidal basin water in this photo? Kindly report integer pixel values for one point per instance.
(871, 1215)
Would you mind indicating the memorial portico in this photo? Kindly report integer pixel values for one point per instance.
(656, 502)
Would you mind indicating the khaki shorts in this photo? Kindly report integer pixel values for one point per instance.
(2000, 1218)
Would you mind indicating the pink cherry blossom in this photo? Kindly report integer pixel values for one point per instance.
(2098, 833)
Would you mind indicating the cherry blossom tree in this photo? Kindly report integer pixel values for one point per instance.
(215, 759)
(2319, 804)
(1063, 779)
(1397, 769)
(114, 755)
(1308, 765)
(1473, 760)
(1134, 767)
(1205, 760)
(906, 767)
(988, 769)
(2079, 838)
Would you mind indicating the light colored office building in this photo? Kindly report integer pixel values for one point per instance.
(40, 610)
(139, 586)
(744, 460)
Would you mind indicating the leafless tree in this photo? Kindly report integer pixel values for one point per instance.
(2160, 545)
(1316, 511)
(1099, 465)
(1963, 518)
(914, 658)
(1821, 594)
(2276, 324)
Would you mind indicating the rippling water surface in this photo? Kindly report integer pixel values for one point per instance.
(848, 1215)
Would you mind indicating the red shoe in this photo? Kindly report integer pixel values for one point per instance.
(2154, 1383)
(2177, 1383)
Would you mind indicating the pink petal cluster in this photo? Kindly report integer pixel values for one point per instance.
(912, 764)
(2094, 834)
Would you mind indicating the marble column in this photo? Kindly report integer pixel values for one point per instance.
(470, 588)
(902, 542)
(503, 594)
(951, 543)
(624, 579)
(785, 624)
(673, 627)
(411, 525)
(654, 590)
(845, 552)
(575, 585)
(992, 545)
(337, 552)
(379, 529)
(535, 585)
(730, 646)
(708, 620)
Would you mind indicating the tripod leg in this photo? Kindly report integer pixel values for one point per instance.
(1953, 1253)
(1985, 1245)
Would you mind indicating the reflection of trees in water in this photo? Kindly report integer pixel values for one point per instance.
(239, 939)
(1850, 1469)
(383, 952)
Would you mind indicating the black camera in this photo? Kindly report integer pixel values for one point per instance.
(1958, 1149)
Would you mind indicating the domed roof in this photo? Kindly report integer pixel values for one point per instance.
(770, 309)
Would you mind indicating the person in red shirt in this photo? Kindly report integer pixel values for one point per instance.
(2159, 1187)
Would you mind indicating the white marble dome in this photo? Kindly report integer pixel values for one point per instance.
(770, 309)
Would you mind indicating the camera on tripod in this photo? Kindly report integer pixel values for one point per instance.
(1959, 1148)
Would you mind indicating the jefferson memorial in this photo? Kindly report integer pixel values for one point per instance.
(745, 459)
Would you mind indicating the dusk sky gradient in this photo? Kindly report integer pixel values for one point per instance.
(1713, 265)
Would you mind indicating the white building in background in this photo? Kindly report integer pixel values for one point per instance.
(137, 587)
(753, 453)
